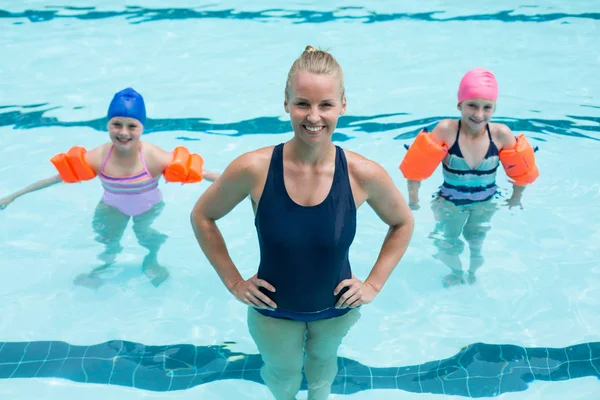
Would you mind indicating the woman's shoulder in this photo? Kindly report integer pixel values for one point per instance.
(256, 157)
(253, 162)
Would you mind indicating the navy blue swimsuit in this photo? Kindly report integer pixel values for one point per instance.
(304, 250)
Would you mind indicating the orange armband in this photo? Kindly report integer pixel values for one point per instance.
(185, 167)
(423, 157)
(519, 162)
(72, 167)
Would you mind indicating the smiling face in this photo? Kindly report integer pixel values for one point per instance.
(124, 132)
(315, 103)
(477, 113)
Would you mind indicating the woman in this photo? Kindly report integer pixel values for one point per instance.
(305, 194)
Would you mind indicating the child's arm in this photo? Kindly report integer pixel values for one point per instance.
(41, 184)
(160, 159)
(210, 176)
(92, 157)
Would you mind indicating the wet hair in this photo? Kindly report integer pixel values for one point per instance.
(317, 62)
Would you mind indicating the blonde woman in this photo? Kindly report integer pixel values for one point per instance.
(305, 193)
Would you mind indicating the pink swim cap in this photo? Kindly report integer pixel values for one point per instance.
(478, 83)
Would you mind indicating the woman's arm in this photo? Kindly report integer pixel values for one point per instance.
(389, 204)
(217, 201)
(385, 199)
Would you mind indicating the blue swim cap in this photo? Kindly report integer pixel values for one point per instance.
(129, 104)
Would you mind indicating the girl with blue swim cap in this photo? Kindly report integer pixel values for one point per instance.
(305, 193)
(129, 171)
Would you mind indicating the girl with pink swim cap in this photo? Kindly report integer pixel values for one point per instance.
(129, 171)
(465, 202)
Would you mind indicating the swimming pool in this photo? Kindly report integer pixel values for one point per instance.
(213, 79)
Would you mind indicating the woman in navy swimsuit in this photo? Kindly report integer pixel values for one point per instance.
(305, 193)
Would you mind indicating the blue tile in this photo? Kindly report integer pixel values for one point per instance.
(453, 373)
(151, 378)
(185, 353)
(181, 382)
(50, 369)
(104, 350)
(13, 352)
(133, 349)
(431, 383)
(97, 370)
(596, 365)
(58, 350)
(353, 368)
(513, 383)
(36, 351)
(579, 369)
(490, 353)
(478, 370)
(6, 370)
(123, 371)
(71, 369)
(236, 374)
(383, 372)
(484, 387)
(77, 351)
(513, 353)
(206, 377)
(177, 357)
(538, 361)
(252, 361)
(411, 384)
(212, 366)
(385, 382)
(352, 385)
(580, 352)
(561, 373)
(28, 369)
(595, 349)
(538, 353)
(456, 387)
(253, 376)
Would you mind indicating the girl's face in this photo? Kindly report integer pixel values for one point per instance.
(314, 105)
(125, 132)
(476, 113)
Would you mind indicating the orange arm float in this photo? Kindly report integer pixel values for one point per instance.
(71, 166)
(422, 157)
(185, 167)
(519, 162)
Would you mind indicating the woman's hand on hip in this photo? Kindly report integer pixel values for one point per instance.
(248, 292)
(358, 293)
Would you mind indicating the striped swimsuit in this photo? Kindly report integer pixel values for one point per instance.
(464, 185)
(133, 194)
